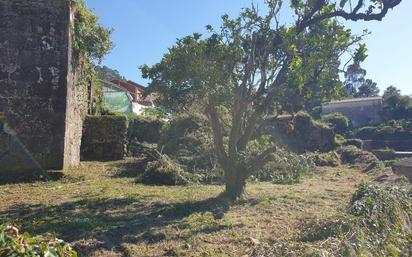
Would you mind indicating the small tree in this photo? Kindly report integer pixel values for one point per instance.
(252, 59)
(368, 89)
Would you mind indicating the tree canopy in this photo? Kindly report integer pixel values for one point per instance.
(248, 65)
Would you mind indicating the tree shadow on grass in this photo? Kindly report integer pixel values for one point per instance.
(29, 177)
(109, 223)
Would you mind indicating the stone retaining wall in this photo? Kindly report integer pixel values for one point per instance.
(37, 85)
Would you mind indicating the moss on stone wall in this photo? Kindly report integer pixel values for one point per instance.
(104, 138)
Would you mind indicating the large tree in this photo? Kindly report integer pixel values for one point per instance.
(356, 84)
(242, 68)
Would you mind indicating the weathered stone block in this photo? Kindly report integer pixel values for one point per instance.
(37, 85)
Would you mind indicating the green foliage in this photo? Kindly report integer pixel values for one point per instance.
(253, 64)
(368, 89)
(355, 156)
(188, 139)
(16, 244)
(338, 121)
(311, 135)
(398, 105)
(91, 42)
(377, 223)
(162, 171)
(108, 74)
(142, 129)
(391, 130)
(366, 132)
(286, 168)
(355, 142)
(330, 159)
(154, 113)
(384, 215)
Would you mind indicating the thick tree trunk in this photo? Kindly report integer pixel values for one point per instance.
(235, 177)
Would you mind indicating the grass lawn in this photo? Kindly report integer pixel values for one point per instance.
(101, 210)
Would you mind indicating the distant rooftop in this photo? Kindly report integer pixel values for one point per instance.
(355, 100)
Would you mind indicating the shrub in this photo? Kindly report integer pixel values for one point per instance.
(162, 171)
(384, 154)
(377, 223)
(355, 156)
(355, 142)
(316, 112)
(16, 244)
(331, 159)
(339, 139)
(144, 130)
(287, 168)
(366, 133)
(303, 121)
(338, 122)
(154, 113)
(188, 140)
(312, 135)
(384, 215)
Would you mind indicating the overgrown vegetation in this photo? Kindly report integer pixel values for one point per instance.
(352, 155)
(91, 42)
(251, 65)
(188, 139)
(286, 168)
(13, 243)
(162, 171)
(330, 159)
(376, 223)
(312, 135)
(391, 130)
(338, 122)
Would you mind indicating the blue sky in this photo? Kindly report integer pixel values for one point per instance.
(144, 29)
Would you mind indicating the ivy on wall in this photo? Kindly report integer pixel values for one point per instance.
(91, 42)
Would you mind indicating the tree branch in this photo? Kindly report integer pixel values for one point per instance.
(311, 18)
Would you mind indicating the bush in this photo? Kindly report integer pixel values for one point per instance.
(339, 139)
(162, 171)
(331, 159)
(384, 216)
(355, 142)
(377, 223)
(287, 168)
(144, 130)
(366, 133)
(338, 122)
(154, 113)
(316, 112)
(188, 139)
(13, 243)
(310, 135)
(384, 154)
(355, 156)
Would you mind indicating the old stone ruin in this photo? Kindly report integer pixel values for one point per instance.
(42, 107)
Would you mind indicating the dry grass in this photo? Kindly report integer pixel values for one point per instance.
(99, 208)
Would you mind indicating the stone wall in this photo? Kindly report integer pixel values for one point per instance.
(37, 85)
(104, 138)
(361, 112)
